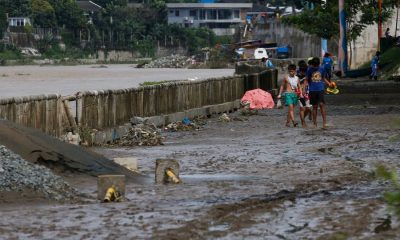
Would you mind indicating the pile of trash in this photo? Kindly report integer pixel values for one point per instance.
(173, 61)
(18, 175)
(187, 125)
(141, 135)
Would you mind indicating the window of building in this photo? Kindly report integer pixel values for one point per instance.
(202, 14)
(193, 14)
(18, 22)
(211, 14)
(236, 13)
(176, 13)
(224, 14)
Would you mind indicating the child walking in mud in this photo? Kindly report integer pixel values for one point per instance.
(374, 66)
(304, 102)
(315, 78)
(291, 86)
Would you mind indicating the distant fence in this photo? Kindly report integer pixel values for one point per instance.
(45, 112)
(110, 108)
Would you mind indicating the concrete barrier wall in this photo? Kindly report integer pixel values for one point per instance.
(103, 109)
(45, 112)
(111, 108)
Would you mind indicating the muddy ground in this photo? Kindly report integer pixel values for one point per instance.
(251, 178)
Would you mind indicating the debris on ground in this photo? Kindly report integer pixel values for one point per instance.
(187, 125)
(19, 175)
(224, 118)
(141, 135)
(173, 61)
(246, 110)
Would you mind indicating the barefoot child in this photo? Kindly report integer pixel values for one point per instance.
(291, 85)
(316, 85)
(304, 103)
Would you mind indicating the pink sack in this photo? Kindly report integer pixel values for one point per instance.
(258, 99)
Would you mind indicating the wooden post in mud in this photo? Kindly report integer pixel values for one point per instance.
(105, 182)
(71, 119)
(167, 171)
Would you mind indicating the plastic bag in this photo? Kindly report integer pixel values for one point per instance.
(279, 104)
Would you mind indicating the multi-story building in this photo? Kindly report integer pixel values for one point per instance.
(222, 18)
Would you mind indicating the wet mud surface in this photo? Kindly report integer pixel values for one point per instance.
(253, 179)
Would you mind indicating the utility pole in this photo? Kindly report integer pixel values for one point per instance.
(379, 23)
(342, 56)
(397, 19)
(324, 42)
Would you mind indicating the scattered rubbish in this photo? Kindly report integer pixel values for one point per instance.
(224, 118)
(239, 119)
(245, 109)
(296, 228)
(384, 224)
(279, 104)
(172, 61)
(187, 125)
(72, 138)
(186, 121)
(30, 52)
(141, 135)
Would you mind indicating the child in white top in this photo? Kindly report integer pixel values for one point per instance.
(291, 85)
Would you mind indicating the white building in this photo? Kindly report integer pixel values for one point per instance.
(19, 21)
(222, 18)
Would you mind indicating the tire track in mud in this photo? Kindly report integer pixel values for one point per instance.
(220, 220)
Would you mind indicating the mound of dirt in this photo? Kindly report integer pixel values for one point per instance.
(63, 158)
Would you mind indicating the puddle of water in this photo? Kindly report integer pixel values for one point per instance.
(216, 177)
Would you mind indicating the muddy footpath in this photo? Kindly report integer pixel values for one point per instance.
(248, 178)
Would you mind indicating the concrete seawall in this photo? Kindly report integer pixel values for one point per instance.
(107, 110)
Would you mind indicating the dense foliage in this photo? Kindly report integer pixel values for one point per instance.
(113, 27)
(323, 21)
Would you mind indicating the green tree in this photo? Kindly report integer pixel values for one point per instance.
(68, 14)
(324, 21)
(16, 8)
(43, 14)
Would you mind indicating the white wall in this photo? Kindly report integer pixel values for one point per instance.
(367, 44)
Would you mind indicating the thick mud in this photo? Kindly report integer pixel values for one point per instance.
(253, 179)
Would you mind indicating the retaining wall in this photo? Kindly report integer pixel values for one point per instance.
(45, 112)
(110, 108)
